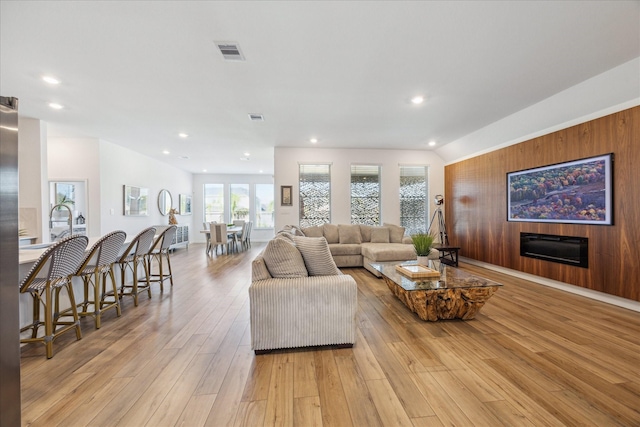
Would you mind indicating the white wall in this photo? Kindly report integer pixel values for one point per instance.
(120, 166)
(257, 235)
(32, 167)
(78, 159)
(286, 168)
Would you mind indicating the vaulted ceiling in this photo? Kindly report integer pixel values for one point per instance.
(138, 73)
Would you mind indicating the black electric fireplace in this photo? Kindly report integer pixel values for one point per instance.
(563, 249)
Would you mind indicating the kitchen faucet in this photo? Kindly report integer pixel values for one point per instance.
(70, 220)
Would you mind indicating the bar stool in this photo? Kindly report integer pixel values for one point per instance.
(160, 250)
(94, 270)
(131, 258)
(52, 271)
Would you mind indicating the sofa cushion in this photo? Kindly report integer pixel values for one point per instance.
(379, 235)
(396, 233)
(316, 255)
(349, 234)
(388, 252)
(365, 232)
(330, 232)
(344, 249)
(313, 231)
(283, 259)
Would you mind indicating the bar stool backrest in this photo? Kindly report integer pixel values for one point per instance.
(140, 244)
(62, 259)
(105, 251)
(164, 240)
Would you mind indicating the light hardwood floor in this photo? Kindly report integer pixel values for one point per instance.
(534, 356)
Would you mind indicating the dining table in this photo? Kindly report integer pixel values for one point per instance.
(232, 231)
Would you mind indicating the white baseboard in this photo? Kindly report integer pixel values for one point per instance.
(599, 296)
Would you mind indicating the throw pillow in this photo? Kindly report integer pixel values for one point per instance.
(283, 259)
(313, 231)
(396, 233)
(330, 233)
(379, 235)
(259, 270)
(365, 232)
(349, 234)
(293, 229)
(316, 255)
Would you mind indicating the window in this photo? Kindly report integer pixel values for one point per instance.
(414, 209)
(315, 195)
(214, 202)
(264, 206)
(239, 198)
(365, 194)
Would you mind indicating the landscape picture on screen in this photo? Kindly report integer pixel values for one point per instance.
(573, 192)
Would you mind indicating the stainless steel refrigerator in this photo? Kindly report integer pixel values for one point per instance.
(9, 295)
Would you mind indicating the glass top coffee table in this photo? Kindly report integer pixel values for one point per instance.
(456, 294)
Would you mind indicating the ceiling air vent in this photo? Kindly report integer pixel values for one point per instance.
(230, 51)
(256, 117)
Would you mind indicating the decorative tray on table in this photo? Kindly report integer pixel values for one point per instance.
(415, 271)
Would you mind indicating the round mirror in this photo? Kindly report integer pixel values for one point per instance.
(164, 202)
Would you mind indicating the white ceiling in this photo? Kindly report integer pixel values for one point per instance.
(138, 73)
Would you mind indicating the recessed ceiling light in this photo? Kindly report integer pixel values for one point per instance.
(204, 170)
(313, 140)
(417, 99)
(432, 143)
(260, 171)
(56, 106)
(51, 80)
(166, 152)
(183, 135)
(247, 154)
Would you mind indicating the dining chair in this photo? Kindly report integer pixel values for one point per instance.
(205, 226)
(94, 269)
(241, 237)
(249, 234)
(159, 252)
(219, 237)
(53, 270)
(133, 257)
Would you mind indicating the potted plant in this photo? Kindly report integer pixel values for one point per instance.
(422, 243)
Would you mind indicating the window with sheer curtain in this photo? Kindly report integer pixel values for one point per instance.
(214, 202)
(414, 206)
(365, 194)
(315, 194)
(264, 204)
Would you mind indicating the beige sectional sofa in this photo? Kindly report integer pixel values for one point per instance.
(358, 245)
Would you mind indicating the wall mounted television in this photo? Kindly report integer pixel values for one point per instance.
(578, 192)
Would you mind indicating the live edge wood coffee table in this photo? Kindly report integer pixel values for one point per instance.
(455, 295)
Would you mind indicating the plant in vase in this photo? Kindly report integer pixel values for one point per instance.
(422, 243)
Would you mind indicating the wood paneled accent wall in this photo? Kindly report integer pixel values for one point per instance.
(476, 205)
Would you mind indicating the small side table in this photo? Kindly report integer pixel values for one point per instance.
(448, 254)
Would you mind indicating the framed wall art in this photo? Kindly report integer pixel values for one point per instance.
(136, 201)
(185, 204)
(578, 192)
(286, 198)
